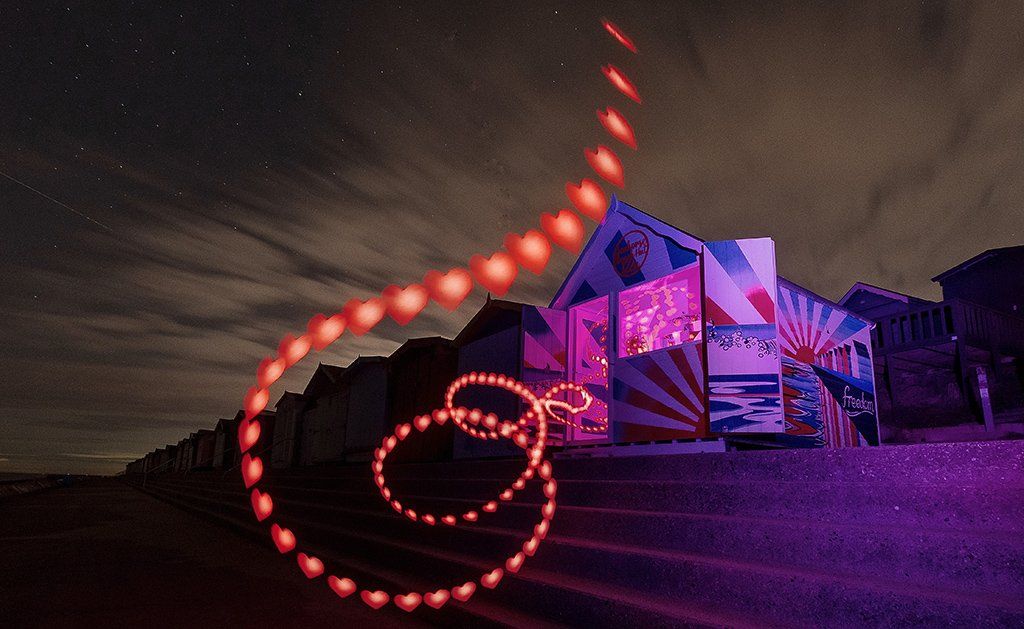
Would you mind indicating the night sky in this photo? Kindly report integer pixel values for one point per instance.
(242, 167)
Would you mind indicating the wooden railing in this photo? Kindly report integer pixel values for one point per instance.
(950, 320)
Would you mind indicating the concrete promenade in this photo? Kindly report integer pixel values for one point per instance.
(101, 554)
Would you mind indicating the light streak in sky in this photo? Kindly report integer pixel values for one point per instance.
(60, 203)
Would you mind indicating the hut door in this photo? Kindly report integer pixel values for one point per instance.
(588, 366)
(545, 347)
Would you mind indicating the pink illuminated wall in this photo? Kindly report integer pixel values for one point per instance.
(661, 313)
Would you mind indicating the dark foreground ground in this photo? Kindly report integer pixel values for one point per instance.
(101, 554)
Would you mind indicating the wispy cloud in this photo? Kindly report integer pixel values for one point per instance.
(869, 142)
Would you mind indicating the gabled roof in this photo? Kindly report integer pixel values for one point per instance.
(361, 362)
(289, 395)
(488, 311)
(240, 415)
(984, 255)
(592, 250)
(881, 292)
(418, 343)
(323, 377)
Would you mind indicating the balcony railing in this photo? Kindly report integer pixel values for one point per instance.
(947, 321)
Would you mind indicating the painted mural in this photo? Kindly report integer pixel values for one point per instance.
(648, 273)
(827, 373)
(660, 395)
(628, 248)
(744, 388)
(676, 344)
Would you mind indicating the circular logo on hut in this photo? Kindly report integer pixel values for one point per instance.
(630, 253)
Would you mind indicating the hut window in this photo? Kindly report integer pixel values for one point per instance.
(661, 313)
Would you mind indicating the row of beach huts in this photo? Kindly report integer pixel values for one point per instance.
(344, 412)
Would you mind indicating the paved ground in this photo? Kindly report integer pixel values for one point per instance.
(101, 554)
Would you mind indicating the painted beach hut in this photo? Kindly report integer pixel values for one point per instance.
(685, 345)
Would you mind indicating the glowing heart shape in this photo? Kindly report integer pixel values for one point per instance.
(621, 82)
(589, 199)
(617, 125)
(403, 304)
(402, 431)
(606, 163)
(362, 316)
(375, 599)
(323, 331)
(269, 371)
(541, 530)
(513, 563)
(492, 578)
(449, 520)
(342, 587)
(464, 591)
(550, 488)
(283, 538)
(531, 250)
(450, 289)
(544, 470)
(262, 505)
(565, 229)
(252, 470)
(617, 33)
(248, 434)
(422, 422)
(530, 546)
(310, 566)
(496, 273)
(437, 599)
(548, 510)
(408, 602)
(293, 349)
(255, 401)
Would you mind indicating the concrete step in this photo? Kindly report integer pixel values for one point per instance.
(920, 463)
(769, 593)
(988, 506)
(371, 575)
(546, 598)
(946, 556)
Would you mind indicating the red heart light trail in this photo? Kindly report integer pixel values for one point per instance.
(621, 82)
(362, 316)
(323, 331)
(617, 33)
(617, 125)
(496, 273)
(606, 163)
(403, 304)
(565, 229)
(449, 289)
(531, 250)
(589, 199)
(262, 505)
